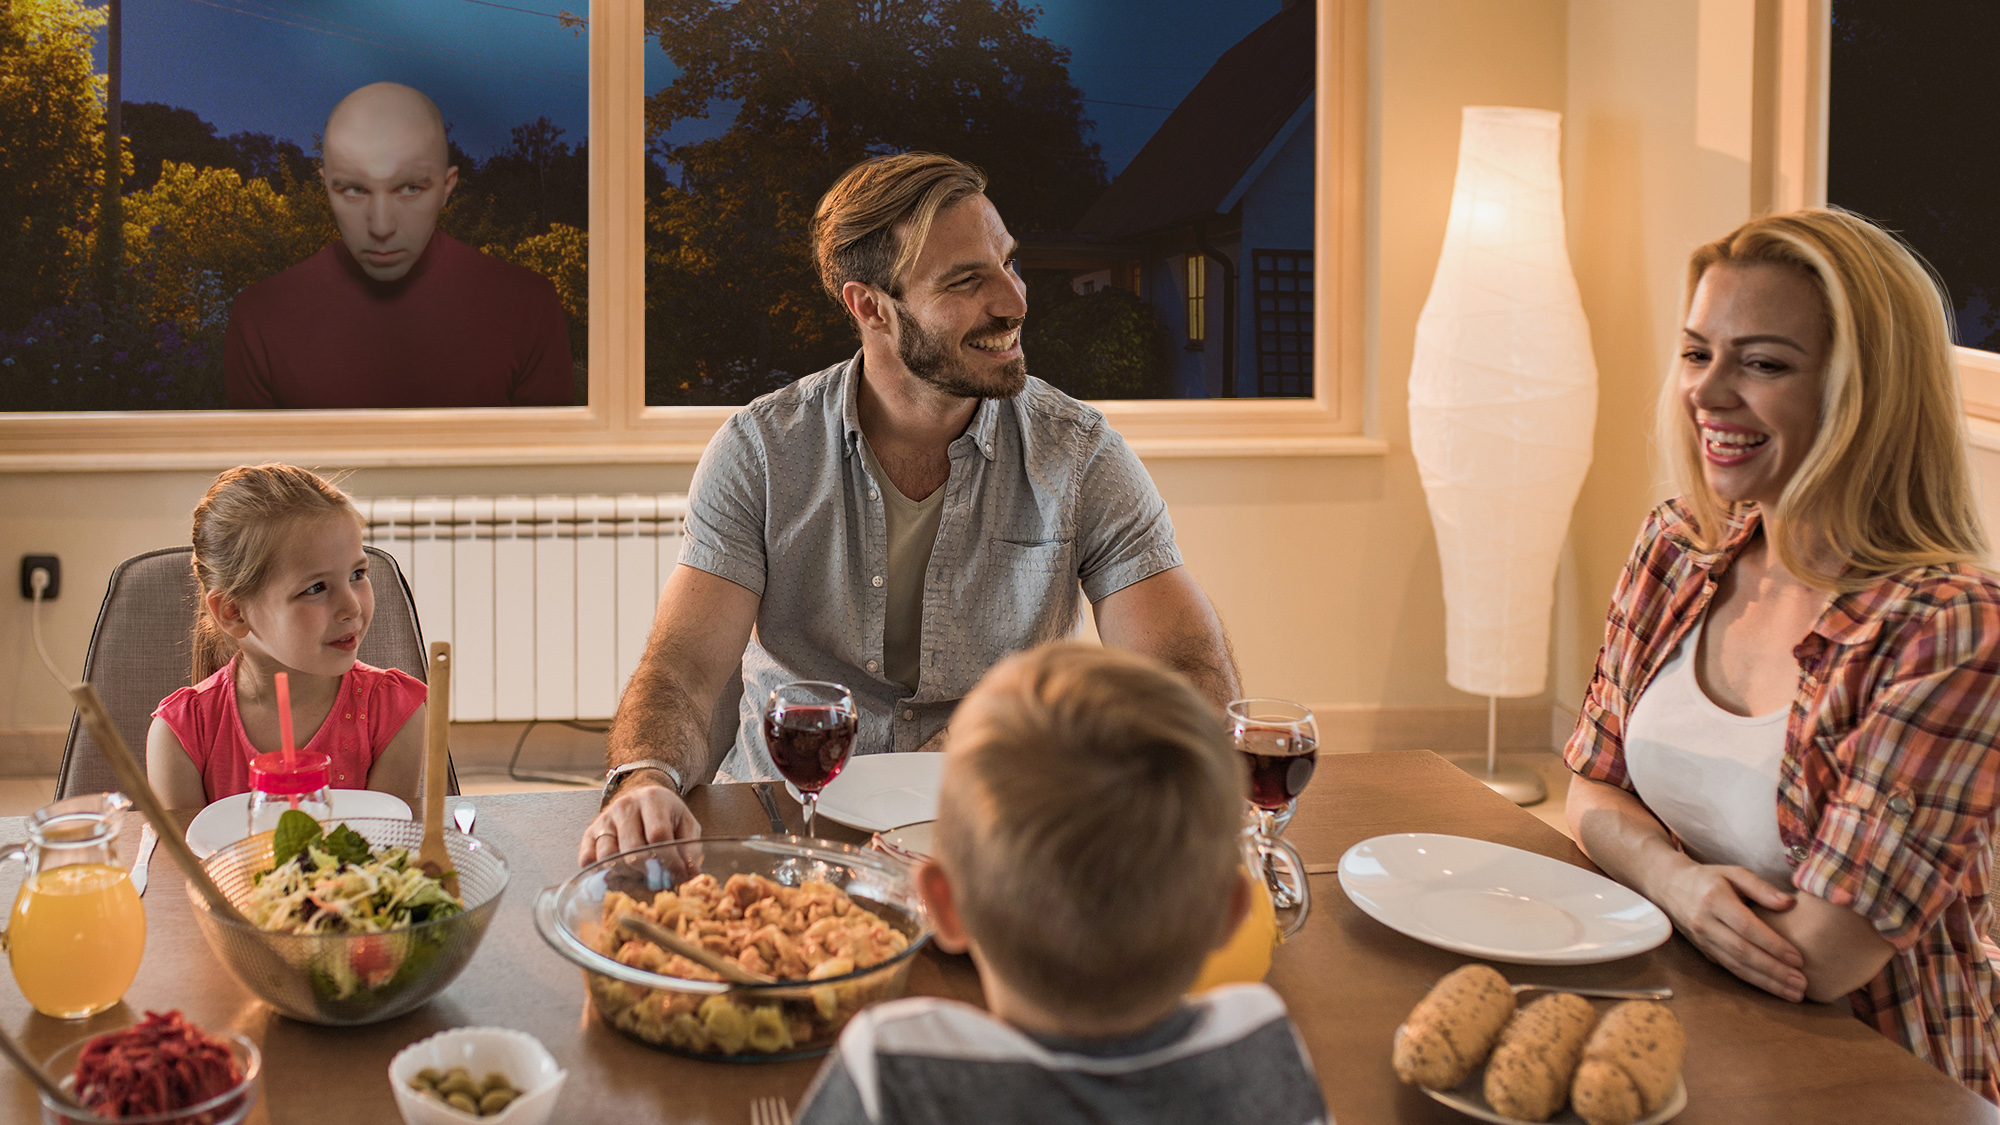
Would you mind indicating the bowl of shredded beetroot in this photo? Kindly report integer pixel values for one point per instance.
(160, 1071)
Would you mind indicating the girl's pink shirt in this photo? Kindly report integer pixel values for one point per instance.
(372, 706)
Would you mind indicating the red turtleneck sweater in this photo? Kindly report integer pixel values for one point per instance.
(462, 328)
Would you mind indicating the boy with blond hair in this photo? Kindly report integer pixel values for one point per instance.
(1088, 861)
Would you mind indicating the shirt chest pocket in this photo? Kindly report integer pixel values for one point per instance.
(1014, 595)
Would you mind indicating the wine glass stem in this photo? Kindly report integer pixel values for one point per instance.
(811, 800)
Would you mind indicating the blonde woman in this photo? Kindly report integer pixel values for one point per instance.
(1788, 741)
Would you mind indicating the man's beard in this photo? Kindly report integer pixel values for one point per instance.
(936, 361)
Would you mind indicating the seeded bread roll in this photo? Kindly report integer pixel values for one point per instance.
(1452, 1027)
(1528, 1075)
(1629, 1064)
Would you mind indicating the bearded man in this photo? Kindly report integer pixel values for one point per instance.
(396, 313)
(899, 522)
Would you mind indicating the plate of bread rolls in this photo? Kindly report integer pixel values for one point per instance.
(1489, 900)
(1558, 1058)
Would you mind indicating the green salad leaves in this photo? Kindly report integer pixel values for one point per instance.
(297, 832)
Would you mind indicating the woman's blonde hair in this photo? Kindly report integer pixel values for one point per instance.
(1886, 484)
(238, 526)
(1090, 823)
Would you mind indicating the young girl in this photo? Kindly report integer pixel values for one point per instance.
(284, 588)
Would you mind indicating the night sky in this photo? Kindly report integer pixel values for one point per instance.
(278, 66)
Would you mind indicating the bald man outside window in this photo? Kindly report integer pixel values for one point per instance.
(397, 313)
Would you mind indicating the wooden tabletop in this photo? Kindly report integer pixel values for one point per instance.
(1348, 980)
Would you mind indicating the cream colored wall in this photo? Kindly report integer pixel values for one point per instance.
(1324, 568)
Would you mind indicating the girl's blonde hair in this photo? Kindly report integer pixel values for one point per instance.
(238, 526)
(1886, 484)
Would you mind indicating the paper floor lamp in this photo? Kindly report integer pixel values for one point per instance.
(1503, 397)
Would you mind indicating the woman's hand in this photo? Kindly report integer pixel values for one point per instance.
(1708, 904)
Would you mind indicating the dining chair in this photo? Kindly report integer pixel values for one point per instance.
(138, 652)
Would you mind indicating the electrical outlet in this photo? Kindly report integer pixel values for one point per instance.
(50, 563)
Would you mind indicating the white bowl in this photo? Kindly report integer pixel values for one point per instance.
(516, 1054)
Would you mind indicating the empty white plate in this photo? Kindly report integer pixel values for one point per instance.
(877, 792)
(227, 821)
(1490, 900)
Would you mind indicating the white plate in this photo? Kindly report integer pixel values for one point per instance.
(1470, 1099)
(877, 792)
(911, 843)
(227, 821)
(1489, 900)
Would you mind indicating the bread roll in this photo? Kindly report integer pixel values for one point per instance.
(1629, 1064)
(1528, 1075)
(1452, 1027)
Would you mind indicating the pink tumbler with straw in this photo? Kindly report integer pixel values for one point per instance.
(276, 785)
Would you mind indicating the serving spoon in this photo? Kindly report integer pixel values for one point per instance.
(645, 930)
(1658, 992)
(432, 855)
(41, 1077)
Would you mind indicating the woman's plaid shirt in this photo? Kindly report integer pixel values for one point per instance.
(1887, 791)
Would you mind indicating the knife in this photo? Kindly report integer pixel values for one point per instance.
(140, 858)
(770, 804)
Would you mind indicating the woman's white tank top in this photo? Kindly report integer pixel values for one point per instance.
(1709, 775)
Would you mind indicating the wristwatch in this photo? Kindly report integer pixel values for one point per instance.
(615, 779)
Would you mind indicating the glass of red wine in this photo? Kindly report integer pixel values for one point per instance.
(809, 728)
(1280, 746)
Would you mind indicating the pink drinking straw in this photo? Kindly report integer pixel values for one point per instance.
(285, 717)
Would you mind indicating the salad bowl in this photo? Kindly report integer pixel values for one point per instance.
(351, 978)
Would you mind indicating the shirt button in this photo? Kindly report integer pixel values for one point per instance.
(875, 581)
(872, 666)
(1900, 805)
(1797, 852)
(909, 715)
(874, 495)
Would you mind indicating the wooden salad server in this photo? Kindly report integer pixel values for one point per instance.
(645, 930)
(432, 855)
(132, 777)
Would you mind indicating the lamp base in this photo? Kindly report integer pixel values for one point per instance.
(1518, 784)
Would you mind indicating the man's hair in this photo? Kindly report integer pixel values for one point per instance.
(1090, 827)
(1886, 484)
(248, 514)
(870, 226)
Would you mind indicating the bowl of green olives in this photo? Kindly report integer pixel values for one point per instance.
(488, 1075)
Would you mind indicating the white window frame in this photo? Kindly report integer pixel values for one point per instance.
(618, 426)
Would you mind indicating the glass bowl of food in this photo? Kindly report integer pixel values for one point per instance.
(161, 1071)
(834, 927)
(354, 932)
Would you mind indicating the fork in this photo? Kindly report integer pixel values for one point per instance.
(769, 1111)
(1660, 993)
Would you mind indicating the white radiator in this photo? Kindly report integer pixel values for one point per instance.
(546, 600)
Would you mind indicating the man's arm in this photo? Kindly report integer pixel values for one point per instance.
(697, 642)
(1169, 618)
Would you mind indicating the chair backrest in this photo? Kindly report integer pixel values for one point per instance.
(139, 654)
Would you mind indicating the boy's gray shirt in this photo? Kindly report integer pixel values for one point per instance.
(1230, 1055)
(1043, 496)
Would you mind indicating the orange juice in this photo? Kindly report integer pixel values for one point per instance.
(1246, 957)
(75, 937)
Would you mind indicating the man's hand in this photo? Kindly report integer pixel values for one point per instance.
(644, 811)
(1707, 903)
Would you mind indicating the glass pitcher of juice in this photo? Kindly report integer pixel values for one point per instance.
(1246, 956)
(77, 930)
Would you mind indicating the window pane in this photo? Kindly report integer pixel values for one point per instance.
(1095, 121)
(222, 111)
(1911, 88)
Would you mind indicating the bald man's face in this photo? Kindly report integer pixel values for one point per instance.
(386, 180)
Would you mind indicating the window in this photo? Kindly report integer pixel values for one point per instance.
(619, 425)
(1904, 79)
(1197, 299)
(1284, 323)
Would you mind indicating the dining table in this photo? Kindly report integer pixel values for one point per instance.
(1347, 979)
